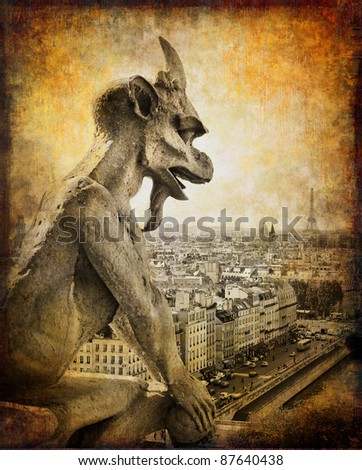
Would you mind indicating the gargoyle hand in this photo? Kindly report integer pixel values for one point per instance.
(193, 397)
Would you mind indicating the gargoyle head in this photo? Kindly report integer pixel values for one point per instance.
(166, 124)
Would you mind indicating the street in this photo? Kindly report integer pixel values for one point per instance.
(278, 360)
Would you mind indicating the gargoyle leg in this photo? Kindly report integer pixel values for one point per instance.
(124, 410)
(128, 428)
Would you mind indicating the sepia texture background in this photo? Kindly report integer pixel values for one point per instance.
(277, 83)
(275, 87)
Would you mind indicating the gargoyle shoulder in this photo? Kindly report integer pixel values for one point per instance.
(88, 193)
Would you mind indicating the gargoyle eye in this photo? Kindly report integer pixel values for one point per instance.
(189, 128)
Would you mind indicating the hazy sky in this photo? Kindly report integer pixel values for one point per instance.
(273, 88)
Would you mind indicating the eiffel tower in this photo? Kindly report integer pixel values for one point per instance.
(312, 221)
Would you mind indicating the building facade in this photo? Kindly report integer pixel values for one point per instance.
(108, 354)
(193, 338)
(225, 336)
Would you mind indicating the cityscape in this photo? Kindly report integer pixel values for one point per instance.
(232, 300)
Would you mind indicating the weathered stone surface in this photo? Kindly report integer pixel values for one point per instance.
(136, 407)
(182, 428)
(127, 429)
(24, 426)
(71, 283)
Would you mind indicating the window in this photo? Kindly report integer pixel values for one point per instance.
(120, 348)
(104, 348)
(88, 347)
(97, 347)
(113, 348)
(88, 359)
(113, 359)
(120, 360)
(97, 358)
(81, 359)
(105, 359)
(113, 370)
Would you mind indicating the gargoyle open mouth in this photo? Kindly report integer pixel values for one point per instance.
(180, 183)
(183, 173)
(161, 191)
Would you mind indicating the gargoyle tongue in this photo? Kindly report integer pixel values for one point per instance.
(159, 194)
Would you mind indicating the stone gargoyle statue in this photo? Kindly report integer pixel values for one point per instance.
(64, 290)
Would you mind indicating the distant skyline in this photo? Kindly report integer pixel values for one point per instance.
(273, 87)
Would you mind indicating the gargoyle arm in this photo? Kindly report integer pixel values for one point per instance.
(125, 271)
(127, 275)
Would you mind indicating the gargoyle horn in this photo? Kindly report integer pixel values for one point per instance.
(175, 74)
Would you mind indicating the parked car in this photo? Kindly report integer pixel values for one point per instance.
(264, 364)
(253, 373)
(229, 373)
(224, 395)
(216, 382)
(247, 363)
(292, 354)
(318, 337)
(211, 391)
(224, 384)
(237, 395)
(252, 365)
(254, 359)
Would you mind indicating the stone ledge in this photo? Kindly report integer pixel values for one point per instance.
(107, 412)
(25, 426)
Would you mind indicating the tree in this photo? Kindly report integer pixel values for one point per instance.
(329, 294)
(221, 292)
(300, 288)
(318, 298)
(311, 297)
(325, 421)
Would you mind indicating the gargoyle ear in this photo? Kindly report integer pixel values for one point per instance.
(143, 95)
